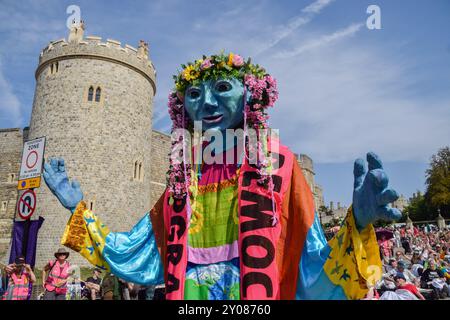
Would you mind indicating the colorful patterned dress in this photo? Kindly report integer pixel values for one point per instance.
(213, 256)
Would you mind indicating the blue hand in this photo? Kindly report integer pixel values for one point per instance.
(55, 175)
(371, 196)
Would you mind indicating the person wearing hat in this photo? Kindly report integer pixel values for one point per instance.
(407, 274)
(55, 285)
(93, 284)
(20, 276)
(401, 283)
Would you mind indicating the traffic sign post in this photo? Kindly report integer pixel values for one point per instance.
(26, 204)
(25, 209)
(31, 166)
(29, 179)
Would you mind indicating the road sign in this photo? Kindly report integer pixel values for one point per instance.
(31, 166)
(26, 204)
(29, 183)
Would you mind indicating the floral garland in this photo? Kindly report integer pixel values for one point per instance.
(264, 93)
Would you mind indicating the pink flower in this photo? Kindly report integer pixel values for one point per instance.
(237, 60)
(206, 64)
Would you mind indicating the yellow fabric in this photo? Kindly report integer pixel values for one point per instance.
(86, 234)
(354, 262)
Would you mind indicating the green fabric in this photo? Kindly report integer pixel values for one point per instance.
(214, 220)
(195, 291)
(192, 291)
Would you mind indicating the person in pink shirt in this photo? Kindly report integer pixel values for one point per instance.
(385, 247)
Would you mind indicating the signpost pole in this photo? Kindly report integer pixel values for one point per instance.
(29, 178)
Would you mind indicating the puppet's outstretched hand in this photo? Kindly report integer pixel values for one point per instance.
(371, 195)
(55, 176)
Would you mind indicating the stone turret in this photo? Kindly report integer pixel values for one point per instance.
(94, 103)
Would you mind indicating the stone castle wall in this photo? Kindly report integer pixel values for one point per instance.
(11, 144)
(106, 144)
(307, 166)
(159, 158)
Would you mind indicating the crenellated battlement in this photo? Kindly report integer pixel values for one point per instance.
(305, 162)
(94, 48)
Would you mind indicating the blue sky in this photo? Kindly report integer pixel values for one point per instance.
(344, 89)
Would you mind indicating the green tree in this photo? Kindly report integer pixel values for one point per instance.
(418, 209)
(437, 193)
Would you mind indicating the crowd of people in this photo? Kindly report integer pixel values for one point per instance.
(62, 281)
(416, 264)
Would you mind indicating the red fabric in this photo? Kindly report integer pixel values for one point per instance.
(410, 287)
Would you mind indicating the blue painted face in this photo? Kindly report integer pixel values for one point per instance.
(217, 103)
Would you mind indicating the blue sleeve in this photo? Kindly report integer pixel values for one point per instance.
(133, 256)
(313, 283)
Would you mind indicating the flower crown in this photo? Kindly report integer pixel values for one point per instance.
(263, 93)
(214, 67)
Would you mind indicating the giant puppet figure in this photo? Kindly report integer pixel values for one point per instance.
(235, 230)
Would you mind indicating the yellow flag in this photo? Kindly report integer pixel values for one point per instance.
(86, 235)
(354, 262)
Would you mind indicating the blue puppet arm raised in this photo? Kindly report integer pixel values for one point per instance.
(348, 264)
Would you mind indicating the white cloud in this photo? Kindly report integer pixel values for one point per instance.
(321, 41)
(317, 6)
(10, 110)
(306, 15)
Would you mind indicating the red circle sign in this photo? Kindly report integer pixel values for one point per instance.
(26, 204)
(32, 160)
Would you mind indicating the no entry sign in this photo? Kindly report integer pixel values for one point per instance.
(31, 166)
(26, 204)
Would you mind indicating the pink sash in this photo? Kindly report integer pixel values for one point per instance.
(260, 228)
(175, 220)
(258, 233)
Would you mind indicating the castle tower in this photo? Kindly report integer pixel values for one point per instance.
(93, 102)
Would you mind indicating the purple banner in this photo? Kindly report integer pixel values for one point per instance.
(19, 231)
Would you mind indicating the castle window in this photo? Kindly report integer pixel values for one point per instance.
(53, 68)
(91, 93)
(98, 94)
(4, 205)
(138, 172)
(91, 205)
(135, 170)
